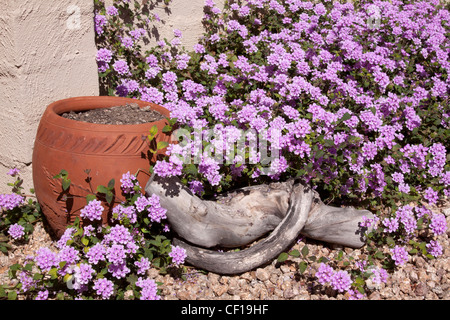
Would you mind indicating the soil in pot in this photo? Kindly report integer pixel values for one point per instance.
(129, 113)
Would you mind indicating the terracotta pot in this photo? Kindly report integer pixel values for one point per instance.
(108, 151)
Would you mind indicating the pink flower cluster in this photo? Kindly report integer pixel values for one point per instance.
(339, 280)
(11, 201)
(109, 254)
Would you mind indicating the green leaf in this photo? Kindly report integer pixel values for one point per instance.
(191, 169)
(85, 241)
(28, 267)
(104, 74)
(53, 273)
(12, 295)
(37, 276)
(167, 128)
(360, 281)
(153, 131)
(294, 253)
(155, 243)
(305, 251)
(429, 256)
(166, 243)
(423, 245)
(172, 121)
(329, 143)
(302, 267)
(67, 277)
(162, 145)
(2, 292)
(148, 254)
(102, 189)
(300, 173)
(14, 267)
(346, 116)
(111, 184)
(157, 262)
(282, 257)
(132, 279)
(109, 197)
(390, 241)
(65, 184)
(90, 197)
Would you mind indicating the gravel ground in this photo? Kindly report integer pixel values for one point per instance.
(418, 279)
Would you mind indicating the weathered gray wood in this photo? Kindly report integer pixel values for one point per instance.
(245, 215)
(336, 225)
(280, 239)
(235, 219)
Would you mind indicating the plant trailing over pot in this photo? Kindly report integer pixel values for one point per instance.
(95, 154)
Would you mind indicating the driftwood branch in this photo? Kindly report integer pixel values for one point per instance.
(286, 209)
(284, 234)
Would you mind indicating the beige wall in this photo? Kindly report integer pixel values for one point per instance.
(184, 15)
(47, 53)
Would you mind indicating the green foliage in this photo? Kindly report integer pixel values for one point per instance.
(108, 191)
(148, 240)
(26, 214)
(65, 181)
(338, 170)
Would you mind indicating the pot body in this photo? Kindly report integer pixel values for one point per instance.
(106, 151)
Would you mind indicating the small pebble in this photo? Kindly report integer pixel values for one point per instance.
(419, 278)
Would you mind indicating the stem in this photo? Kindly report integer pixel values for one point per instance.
(92, 192)
(29, 196)
(142, 170)
(89, 181)
(35, 221)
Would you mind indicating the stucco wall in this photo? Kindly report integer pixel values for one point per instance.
(184, 15)
(47, 53)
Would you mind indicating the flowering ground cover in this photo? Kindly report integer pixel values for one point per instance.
(92, 261)
(351, 97)
(354, 95)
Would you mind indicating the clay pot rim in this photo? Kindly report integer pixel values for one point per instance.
(82, 103)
